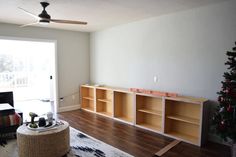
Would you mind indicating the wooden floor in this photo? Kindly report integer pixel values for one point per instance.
(136, 141)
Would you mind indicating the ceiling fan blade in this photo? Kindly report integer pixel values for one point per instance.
(68, 21)
(29, 13)
(29, 24)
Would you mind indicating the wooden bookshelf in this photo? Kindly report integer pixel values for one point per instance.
(183, 118)
(87, 98)
(104, 99)
(149, 112)
(123, 106)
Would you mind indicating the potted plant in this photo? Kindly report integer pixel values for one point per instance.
(224, 118)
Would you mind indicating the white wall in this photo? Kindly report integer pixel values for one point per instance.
(186, 50)
(72, 56)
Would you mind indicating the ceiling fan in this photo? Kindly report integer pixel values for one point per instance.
(45, 18)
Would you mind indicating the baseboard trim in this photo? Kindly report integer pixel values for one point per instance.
(68, 108)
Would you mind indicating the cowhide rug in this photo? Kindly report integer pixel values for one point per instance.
(82, 145)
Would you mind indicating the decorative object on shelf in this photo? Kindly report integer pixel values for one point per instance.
(152, 92)
(224, 119)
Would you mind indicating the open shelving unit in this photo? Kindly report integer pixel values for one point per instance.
(182, 120)
(87, 98)
(123, 106)
(180, 117)
(104, 102)
(149, 112)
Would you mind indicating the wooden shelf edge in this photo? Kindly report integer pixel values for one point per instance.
(184, 119)
(123, 121)
(87, 86)
(88, 98)
(104, 100)
(183, 137)
(130, 120)
(153, 112)
(87, 109)
(187, 99)
(150, 127)
(149, 95)
(105, 113)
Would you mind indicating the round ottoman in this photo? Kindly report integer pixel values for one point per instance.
(51, 143)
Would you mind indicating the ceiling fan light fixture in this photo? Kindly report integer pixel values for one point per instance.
(44, 22)
(45, 15)
(44, 18)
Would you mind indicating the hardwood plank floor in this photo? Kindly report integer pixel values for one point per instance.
(136, 141)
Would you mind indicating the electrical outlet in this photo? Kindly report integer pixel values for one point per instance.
(73, 97)
(61, 99)
(155, 79)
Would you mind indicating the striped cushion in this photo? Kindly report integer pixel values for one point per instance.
(10, 120)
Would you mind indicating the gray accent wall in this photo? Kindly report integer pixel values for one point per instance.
(185, 50)
(72, 57)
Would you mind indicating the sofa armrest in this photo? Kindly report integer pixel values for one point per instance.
(10, 120)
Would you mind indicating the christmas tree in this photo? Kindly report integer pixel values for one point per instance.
(224, 119)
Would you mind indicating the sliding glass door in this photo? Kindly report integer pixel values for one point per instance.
(27, 68)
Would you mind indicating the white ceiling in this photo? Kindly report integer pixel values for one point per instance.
(99, 14)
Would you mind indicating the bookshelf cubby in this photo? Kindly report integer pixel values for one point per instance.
(185, 131)
(180, 117)
(87, 98)
(104, 100)
(149, 121)
(123, 106)
(149, 112)
(182, 120)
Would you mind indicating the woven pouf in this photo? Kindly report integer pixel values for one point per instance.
(51, 143)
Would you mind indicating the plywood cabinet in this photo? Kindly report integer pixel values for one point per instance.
(123, 103)
(104, 102)
(184, 119)
(181, 118)
(149, 112)
(87, 97)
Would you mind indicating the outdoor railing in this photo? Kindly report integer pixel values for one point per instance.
(14, 79)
